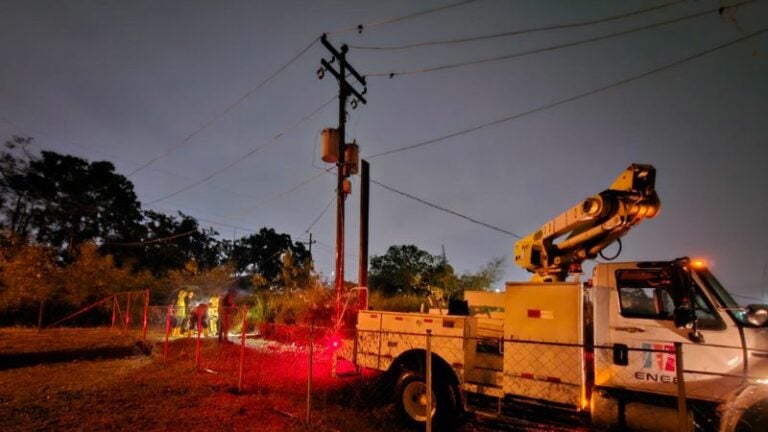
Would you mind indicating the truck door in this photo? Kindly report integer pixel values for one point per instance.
(637, 352)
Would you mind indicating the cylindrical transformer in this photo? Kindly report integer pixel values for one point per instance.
(352, 157)
(329, 145)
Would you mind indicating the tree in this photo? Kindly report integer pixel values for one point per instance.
(406, 269)
(92, 276)
(209, 281)
(484, 279)
(164, 243)
(15, 197)
(64, 201)
(28, 275)
(262, 254)
(81, 201)
(403, 269)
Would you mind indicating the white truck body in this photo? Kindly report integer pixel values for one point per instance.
(607, 350)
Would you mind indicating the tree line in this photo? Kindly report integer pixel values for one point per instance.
(73, 230)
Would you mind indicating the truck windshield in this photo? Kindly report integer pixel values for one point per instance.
(722, 295)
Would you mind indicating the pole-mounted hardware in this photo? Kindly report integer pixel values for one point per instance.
(344, 71)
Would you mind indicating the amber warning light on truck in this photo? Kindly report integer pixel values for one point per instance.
(699, 263)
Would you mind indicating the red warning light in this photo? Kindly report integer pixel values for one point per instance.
(334, 342)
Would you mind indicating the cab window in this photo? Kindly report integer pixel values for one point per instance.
(707, 318)
(648, 294)
(645, 294)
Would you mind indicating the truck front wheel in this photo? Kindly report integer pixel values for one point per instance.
(412, 400)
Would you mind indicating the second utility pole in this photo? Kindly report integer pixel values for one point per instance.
(345, 90)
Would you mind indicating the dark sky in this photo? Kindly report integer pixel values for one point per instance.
(185, 85)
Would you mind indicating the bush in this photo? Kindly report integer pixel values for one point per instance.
(396, 303)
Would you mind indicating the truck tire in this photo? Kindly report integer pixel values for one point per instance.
(755, 419)
(411, 393)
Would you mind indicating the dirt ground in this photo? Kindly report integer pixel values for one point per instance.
(180, 390)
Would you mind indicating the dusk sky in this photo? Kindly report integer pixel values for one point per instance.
(214, 108)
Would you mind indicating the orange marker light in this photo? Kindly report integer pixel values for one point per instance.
(699, 263)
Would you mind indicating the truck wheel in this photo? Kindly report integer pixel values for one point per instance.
(411, 390)
(754, 419)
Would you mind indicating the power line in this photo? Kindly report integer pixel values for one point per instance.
(748, 297)
(322, 213)
(158, 240)
(243, 157)
(573, 98)
(219, 115)
(360, 27)
(283, 193)
(392, 74)
(214, 222)
(210, 221)
(518, 32)
(443, 209)
(112, 158)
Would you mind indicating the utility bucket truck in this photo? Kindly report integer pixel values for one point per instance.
(657, 345)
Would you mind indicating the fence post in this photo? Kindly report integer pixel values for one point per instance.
(199, 331)
(146, 312)
(167, 330)
(429, 381)
(40, 315)
(243, 329)
(309, 375)
(114, 309)
(682, 409)
(128, 312)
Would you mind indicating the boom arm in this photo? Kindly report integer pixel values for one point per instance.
(560, 246)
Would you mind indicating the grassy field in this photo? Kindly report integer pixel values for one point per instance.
(103, 380)
(153, 393)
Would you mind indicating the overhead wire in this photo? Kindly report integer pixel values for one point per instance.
(446, 210)
(113, 158)
(575, 97)
(320, 216)
(158, 240)
(360, 27)
(392, 74)
(517, 32)
(223, 112)
(214, 222)
(207, 220)
(244, 156)
(279, 195)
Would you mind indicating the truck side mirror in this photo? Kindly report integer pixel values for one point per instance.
(684, 317)
(757, 315)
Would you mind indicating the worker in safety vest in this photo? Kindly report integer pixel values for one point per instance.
(213, 315)
(179, 313)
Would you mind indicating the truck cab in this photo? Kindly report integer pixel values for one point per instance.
(641, 310)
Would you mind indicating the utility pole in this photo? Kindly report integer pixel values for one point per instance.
(362, 271)
(310, 243)
(345, 91)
